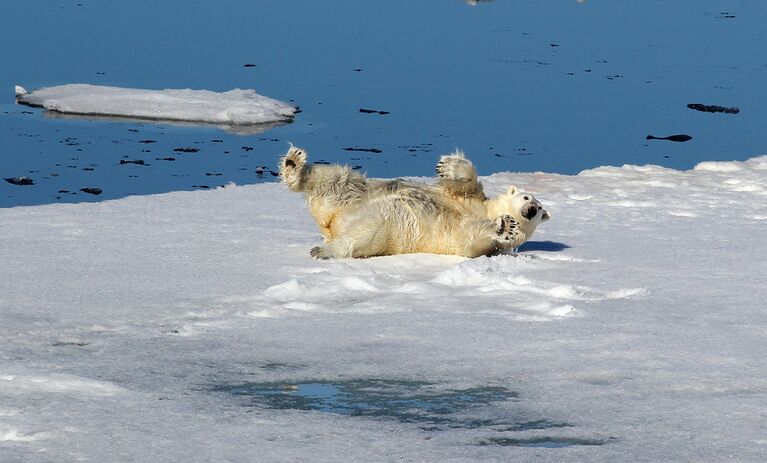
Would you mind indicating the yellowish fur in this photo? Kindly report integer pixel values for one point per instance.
(360, 217)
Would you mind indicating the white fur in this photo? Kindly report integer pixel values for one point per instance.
(360, 217)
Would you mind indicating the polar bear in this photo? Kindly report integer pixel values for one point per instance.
(360, 217)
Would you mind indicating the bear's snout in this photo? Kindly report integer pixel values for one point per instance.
(530, 212)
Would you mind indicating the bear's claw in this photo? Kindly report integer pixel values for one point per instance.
(318, 252)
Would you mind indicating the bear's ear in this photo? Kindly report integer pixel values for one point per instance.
(513, 190)
(545, 216)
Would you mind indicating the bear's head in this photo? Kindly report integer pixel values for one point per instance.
(521, 205)
(529, 207)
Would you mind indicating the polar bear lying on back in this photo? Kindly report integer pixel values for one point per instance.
(361, 217)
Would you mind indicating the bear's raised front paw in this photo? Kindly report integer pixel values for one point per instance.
(506, 228)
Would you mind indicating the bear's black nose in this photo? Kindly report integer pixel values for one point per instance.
(530, 212)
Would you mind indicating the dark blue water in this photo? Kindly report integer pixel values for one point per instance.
(555, 86)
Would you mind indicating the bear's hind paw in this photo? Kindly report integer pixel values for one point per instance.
(319, 252)
(455, 167)
(291, 168)
(295, 158)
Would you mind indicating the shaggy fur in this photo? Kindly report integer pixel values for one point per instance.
(360, 217)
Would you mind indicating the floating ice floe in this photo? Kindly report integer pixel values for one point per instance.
(233, 108)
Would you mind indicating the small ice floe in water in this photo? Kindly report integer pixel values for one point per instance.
(678, 137)
(235, 107)
(713, 108)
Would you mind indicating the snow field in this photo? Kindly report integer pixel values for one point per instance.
(631, 328)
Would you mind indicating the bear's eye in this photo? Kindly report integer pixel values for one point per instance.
(526, 198)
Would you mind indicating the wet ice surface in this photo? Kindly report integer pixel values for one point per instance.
(406, 401)
(193, 326)
(426, 405)
(518, 85)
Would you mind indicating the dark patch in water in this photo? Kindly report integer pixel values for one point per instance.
(20, 181)
(713, 108)
(91, 191)
(186, 150)
(139, 162)
(677, 138)
(373, 111)
(367, 150)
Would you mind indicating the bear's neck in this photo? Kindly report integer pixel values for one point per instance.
(492, 209)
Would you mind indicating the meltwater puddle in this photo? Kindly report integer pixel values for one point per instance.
(422, 403)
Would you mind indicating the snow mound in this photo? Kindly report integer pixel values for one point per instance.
(495, 286)
(236, 107)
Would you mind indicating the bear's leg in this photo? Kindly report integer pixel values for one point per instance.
(360, 240)
(458, 177)
(293, 168)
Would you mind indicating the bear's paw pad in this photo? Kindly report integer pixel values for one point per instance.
(506, 228)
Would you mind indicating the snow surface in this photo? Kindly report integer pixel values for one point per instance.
(237, 107)
(632, 328)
